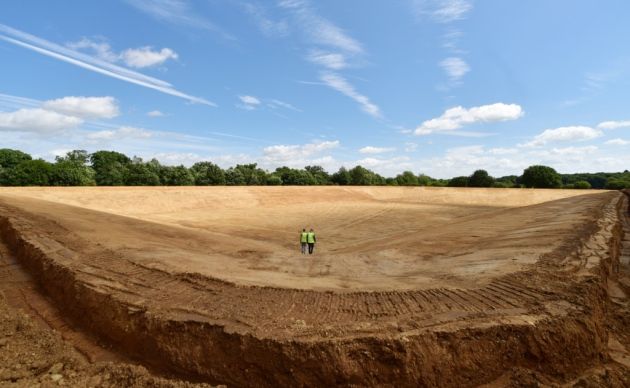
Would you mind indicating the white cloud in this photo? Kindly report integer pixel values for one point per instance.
(101, 48)
(120, 133)
(502, 151)
(571, 133)
(146, 56)
(91, 63)
(575, 151)
(455, 68)
(340, 84)
(376, 150)
(320, 30)
(334, 61)
(619, 142)
(391, 166)
(248, 102)
(442, 11)
(296, 154)
(84, 107)
(37, 120)
(614, 124)
(155, 113)
(134, 57)
(455, 118)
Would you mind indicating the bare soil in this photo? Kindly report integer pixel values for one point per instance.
(408, 286)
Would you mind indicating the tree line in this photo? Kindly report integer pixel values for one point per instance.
(110, 168)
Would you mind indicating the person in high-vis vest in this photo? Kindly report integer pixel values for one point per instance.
(303, 240)
(310, 239)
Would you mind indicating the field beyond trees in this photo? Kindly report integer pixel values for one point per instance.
(110, 168)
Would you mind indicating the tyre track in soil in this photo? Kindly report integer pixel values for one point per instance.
(267, 310)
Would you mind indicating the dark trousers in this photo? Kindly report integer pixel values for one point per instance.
(303, 246)
(311, 246)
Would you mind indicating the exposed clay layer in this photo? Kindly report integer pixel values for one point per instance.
(548, 318)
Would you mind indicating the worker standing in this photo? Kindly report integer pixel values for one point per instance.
(303, 240)
(310, 239)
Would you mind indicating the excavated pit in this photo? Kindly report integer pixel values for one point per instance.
(501, 284)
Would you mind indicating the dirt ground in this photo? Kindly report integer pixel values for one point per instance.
(408, 286)
(368, 238)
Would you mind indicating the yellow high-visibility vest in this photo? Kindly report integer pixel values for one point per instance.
(303, 237)
(311, 238)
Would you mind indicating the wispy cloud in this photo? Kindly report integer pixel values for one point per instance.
(457, 117)
(91, 63)
(177, 12)
(455, 68)
(273, 104)
(333, 61)
(340, 84)
(442, 11)
(334, 50)
(265, 23)
(320, 30)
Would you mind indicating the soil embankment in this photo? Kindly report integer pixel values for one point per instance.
(547, 316)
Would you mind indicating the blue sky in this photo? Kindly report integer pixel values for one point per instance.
(441, 87)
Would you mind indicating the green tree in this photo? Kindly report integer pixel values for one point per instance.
(581, 185)
(71, 173)
(341, 177)
(295, 177)
(176, 176)
(274, 180)
(480, 178)
(407, 178)
(541, 177)
(10, 158)
(29, 173)
(361, 176)
(424, 180)
(320, 175)
(458, 181)
(208, 174)
(109, 167)
(234, 177)
(141, 174)
(77, 156)
(507, 181)
(617, 184)
(252, 174)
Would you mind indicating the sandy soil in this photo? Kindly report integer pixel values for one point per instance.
(408, 286)
(368, 238)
